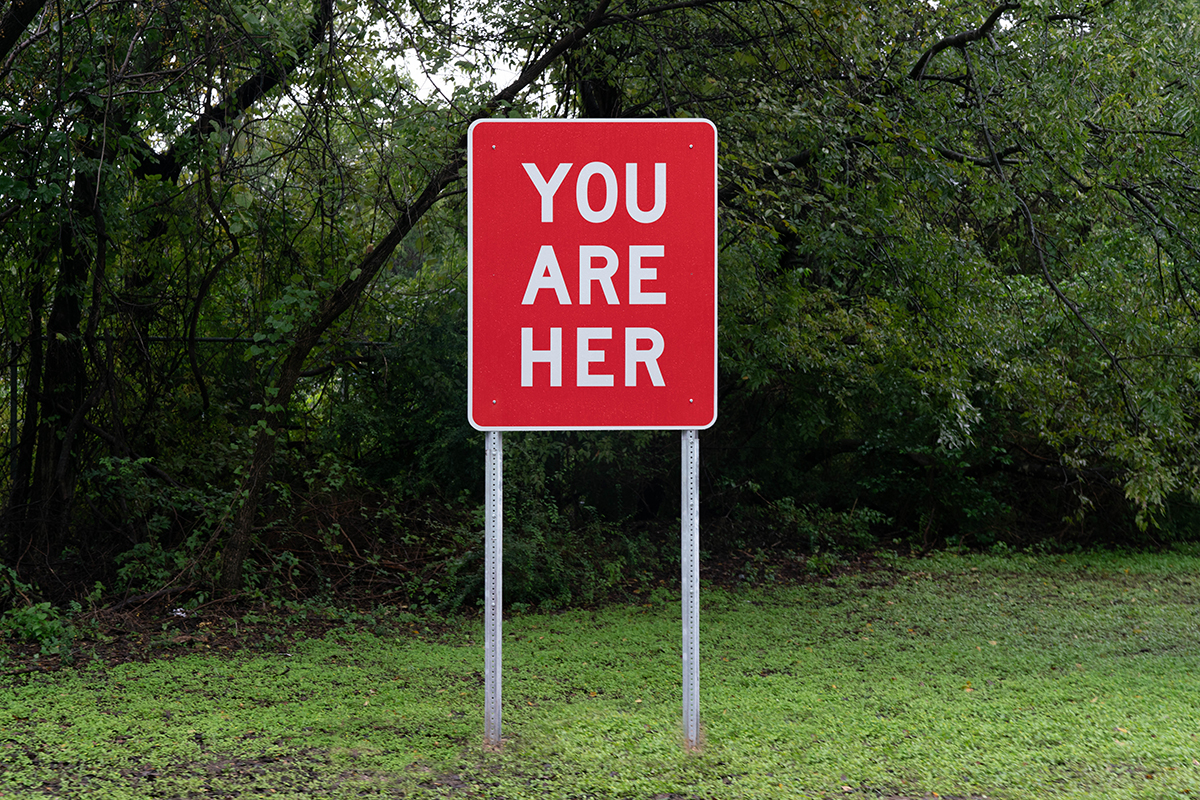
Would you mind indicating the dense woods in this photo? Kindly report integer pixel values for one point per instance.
(959, 286)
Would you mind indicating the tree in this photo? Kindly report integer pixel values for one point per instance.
(88, 231)
(956, 249)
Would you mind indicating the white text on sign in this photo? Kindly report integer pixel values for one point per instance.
(598, 264)
(547, 188)
(547, 274)
(585, 356)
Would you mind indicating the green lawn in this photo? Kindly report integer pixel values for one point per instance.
(973, 676)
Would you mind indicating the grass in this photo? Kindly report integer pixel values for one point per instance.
(973, 676)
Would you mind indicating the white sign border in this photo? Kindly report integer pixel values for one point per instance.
(471, 273)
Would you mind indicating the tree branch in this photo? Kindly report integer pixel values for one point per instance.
(959, 40)
(1073, 307)
(348, 292)
(15, 21)
(770, 173)
(528, 75)
(981, 161)
(270, 75)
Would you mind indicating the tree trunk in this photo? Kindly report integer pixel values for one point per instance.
(58, 385)
(16, 525)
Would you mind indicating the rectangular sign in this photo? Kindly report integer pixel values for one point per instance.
(592, 274)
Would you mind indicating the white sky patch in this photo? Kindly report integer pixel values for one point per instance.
(429, 84)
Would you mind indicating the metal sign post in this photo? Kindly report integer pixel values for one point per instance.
(690, 552)
(493, 589)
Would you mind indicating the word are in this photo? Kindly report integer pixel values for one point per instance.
(586, 357)
(547, 274)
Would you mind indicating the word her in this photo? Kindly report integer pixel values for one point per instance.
(585, 356)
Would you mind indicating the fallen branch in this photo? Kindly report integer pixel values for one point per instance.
(142, 599)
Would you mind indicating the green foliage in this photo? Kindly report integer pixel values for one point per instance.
(956, 290)
(167, 529)
(559, 548)
(569, 503)
(38, 622)
(808, 528)
(399, 413)
(13, 591)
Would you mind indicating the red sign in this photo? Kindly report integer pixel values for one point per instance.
(592, 271)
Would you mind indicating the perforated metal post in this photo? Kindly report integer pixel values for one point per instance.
(493, 583)
(690, 551)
